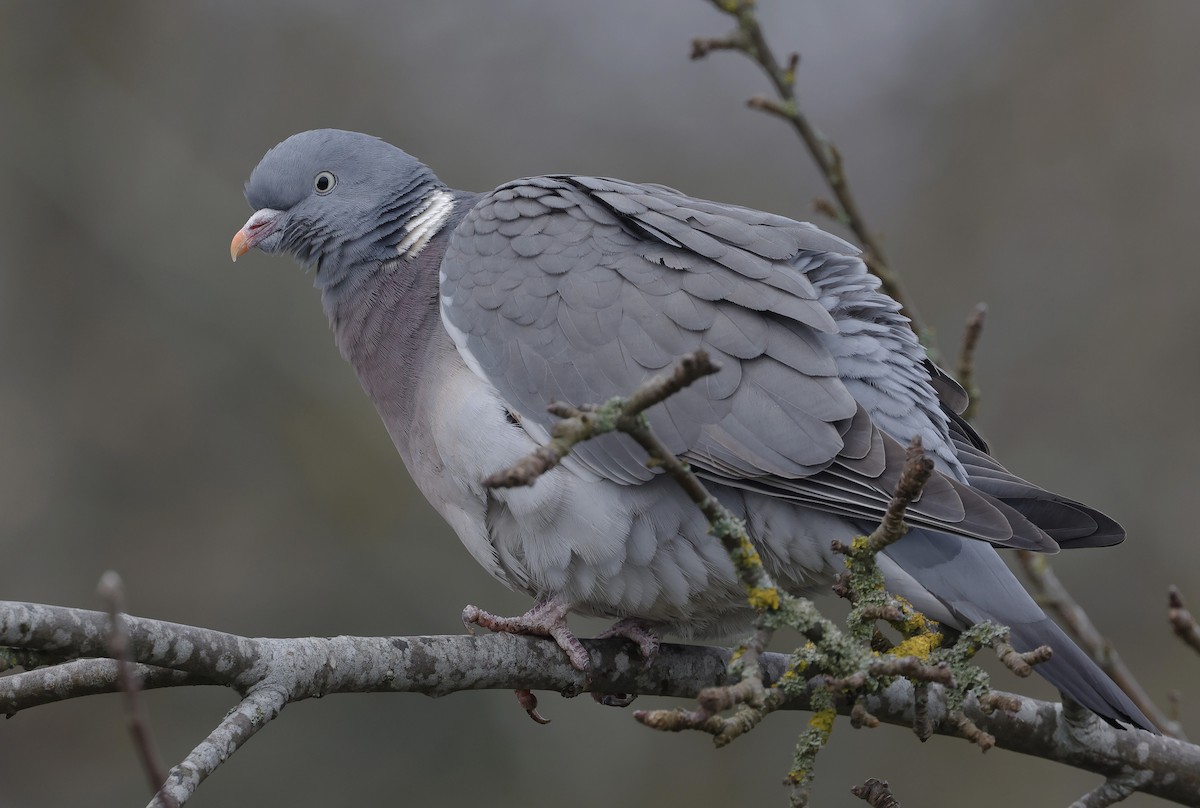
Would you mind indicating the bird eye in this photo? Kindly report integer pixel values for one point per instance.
(324, 182)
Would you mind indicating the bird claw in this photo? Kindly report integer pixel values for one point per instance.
(529, 704)
(546, 619)
(638, 631)
(469, 615)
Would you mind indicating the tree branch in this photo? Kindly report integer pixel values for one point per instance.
(280, 671)
(238, 726)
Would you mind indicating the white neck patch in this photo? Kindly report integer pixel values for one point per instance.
(424, 224)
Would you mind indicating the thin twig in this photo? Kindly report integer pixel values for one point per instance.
(1054, 597)
(1021, 662)
(922, 721)
(577, 425)
(966, 728)
(748, 38)
(917, 468)
(1181, 619)
(112, 593)
(966, 359)
(876, 793)
(995, 700)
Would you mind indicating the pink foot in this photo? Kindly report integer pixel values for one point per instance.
(638, 631)
(546, 619)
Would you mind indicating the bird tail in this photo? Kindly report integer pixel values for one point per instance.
(967, 582)
(1075, 673)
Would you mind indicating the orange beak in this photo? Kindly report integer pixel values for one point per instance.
(240, 245)
(256, 228)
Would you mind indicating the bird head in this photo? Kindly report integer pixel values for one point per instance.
(329, 192)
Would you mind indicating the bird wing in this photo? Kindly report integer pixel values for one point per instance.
(578, 289)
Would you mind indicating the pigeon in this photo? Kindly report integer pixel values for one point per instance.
(465, 315)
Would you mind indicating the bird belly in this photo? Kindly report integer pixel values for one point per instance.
(604, 548)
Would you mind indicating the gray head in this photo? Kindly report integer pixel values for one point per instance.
(332, 196)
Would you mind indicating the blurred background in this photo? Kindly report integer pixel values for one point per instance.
(189, 423)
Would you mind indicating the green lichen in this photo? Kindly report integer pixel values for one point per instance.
(812, 741)
(969, 677)
(605, 417)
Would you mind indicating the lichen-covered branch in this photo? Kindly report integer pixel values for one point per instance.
(917, 468)
(862, 583)
(578, 425)
(302, 668)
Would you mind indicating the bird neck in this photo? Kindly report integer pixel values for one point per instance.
(385, 326)
(377, 285)
(385, 312)
(401, 226)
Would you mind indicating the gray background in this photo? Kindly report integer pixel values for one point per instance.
(189, 423)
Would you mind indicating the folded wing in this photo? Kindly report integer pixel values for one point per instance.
(577, 289)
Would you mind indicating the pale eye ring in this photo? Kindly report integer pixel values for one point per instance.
(323, 183)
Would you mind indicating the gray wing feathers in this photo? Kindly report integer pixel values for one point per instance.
(815, 363)
(1070, 524)
(952, 394)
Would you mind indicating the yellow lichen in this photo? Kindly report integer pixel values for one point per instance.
(920, 646)
(822, 720)
(764, 597)
(748, 555)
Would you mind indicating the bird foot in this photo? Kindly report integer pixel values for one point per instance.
(638, 631)
(546, 619)
(641, 633)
